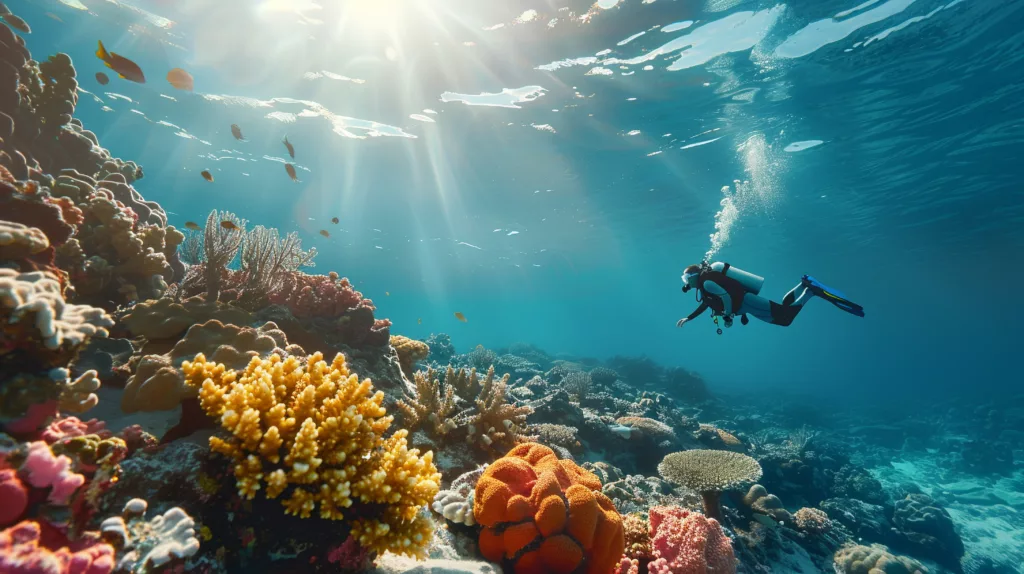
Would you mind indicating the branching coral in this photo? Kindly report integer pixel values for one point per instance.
(496, 424)
(410, 352)
(429, 408)
(546, 515)
(314, 434)
(710, 472)
(578, 384)
(159, 384)
(687, 542)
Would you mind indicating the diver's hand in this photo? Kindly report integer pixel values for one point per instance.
(681, 322)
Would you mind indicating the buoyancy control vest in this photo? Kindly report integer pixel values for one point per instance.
(736, 282)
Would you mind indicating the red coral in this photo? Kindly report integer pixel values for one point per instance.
(23, 551)
(685, 542)
(349, 556)
(71, 213)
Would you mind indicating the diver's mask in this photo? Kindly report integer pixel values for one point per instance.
(689, 281)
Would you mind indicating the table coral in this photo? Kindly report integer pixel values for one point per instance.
(710, 472)
(315, 434)
(685, 542)
(159, 384)
(546, 515)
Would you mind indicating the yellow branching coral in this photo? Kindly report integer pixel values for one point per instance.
(410, 351)
(313, 434)
(429, 409)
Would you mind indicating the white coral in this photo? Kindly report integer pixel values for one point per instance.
(456, 503)
(154, 543)
(37, 296)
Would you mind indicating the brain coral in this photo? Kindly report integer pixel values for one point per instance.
(314, 434)
(546, 515)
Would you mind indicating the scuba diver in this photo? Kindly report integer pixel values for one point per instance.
(729, 291)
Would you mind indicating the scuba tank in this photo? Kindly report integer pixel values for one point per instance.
(750, 282)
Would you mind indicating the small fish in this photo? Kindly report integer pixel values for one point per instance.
(102, 78)
(461, 317)
(180, 79)
(291, 149)
(237, 132)
(324, 233)
(206, 175)
(54, 16)
(419, 321)
(192, 225)
(334, 220)
(387, 293)
(17, 23)
(124, 67)
(228, 225)
(291, 171)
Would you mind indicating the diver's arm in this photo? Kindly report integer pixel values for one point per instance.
(696, 313)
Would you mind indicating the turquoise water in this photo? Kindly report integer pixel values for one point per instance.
(561, 209)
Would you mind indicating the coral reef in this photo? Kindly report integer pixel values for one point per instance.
(428, 408)
(546, 515)
(330, 428)
(710, 472)
(496, 424)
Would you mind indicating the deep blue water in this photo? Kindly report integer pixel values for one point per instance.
(912, 204)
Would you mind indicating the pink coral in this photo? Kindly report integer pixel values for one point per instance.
(70, 427)
(687, 542)
(45, 470)
(22, 553)
(627, 566)
(15, 497)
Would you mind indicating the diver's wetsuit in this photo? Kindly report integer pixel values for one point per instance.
(719, 293)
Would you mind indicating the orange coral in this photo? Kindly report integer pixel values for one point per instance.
(546, 515)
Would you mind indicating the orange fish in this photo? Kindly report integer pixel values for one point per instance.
(124, 67)
(237, 132)
(228, 225)
(102, 78)
(461, 317)
(192, 225)
(324, 233)
(206, 175)
(180, 79)
(291, 171)
(291, 149)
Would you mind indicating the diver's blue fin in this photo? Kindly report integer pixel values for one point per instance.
(832, 296)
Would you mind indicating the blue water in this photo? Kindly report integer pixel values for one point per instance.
(912, 204)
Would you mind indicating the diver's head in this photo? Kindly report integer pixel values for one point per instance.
(690, 275)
